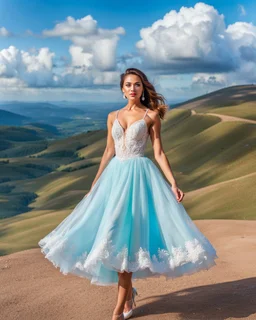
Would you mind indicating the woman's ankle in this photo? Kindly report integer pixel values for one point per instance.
(118, 310)
(128, 305)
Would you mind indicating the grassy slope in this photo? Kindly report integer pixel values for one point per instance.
(213, 162)
(231, 96)
(245, 110)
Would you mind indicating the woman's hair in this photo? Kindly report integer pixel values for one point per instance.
(153, 100)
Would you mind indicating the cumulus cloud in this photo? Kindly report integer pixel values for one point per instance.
(36, 69)
(191, 40)
(32, 69)
(91, 44)
(243, 42)
(71, 27)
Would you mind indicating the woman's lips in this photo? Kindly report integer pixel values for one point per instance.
(133, 94)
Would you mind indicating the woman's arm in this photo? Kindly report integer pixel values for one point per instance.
(109, 150)
(160, 157)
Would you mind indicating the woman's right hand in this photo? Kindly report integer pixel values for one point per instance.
(88, 193)
(90, 189)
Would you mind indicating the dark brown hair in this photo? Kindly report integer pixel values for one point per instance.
(153, 100)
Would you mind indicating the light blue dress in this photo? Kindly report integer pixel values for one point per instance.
(129, 221)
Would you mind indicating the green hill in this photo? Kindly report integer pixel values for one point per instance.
(43, 112)
(231, 96)
(26, 140)
(212, 157)
(9, 118)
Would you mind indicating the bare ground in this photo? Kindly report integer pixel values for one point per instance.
(33, 289)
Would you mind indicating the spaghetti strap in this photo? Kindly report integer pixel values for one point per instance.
(117, 113)
(145, 113)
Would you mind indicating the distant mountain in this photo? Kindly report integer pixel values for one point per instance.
(8, 118)
(43, 112)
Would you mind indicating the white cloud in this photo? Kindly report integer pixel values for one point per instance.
(33, 69)
(243, 41)
(81, 27)
(106, 78)
(242, 33)
(11, 83)
(80, 58)
(91, 44)
(241, 10)
(213, 80)
(191, 40)
(36, 69)
(57, 94)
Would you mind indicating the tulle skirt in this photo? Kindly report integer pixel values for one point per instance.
(129, 221)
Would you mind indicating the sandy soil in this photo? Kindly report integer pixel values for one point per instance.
(33, 289)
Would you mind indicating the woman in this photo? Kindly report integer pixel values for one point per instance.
(131, 224)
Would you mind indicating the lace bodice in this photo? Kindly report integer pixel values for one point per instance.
(131, 142)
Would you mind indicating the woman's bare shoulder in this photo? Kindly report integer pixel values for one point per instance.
(153, 114)
(112, 115)
(113, 112)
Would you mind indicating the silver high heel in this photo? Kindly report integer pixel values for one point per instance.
(128, 314)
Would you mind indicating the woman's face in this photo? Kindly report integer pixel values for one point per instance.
(132, 87)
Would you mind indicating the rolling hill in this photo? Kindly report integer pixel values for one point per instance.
(8, 118)
(236, 101)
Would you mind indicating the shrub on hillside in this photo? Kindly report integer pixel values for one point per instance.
(70, 169)
(58, 154)
(4, 161)
(38, 166)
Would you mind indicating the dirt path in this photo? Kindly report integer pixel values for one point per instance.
(223, 117)
(33, 289)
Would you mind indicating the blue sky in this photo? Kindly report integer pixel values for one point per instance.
(195, 50)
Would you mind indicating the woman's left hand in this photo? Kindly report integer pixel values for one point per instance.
(178, 193)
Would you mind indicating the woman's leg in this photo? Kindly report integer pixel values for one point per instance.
(124, 284)
(127, 306)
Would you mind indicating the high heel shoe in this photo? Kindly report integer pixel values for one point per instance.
(128, 314)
